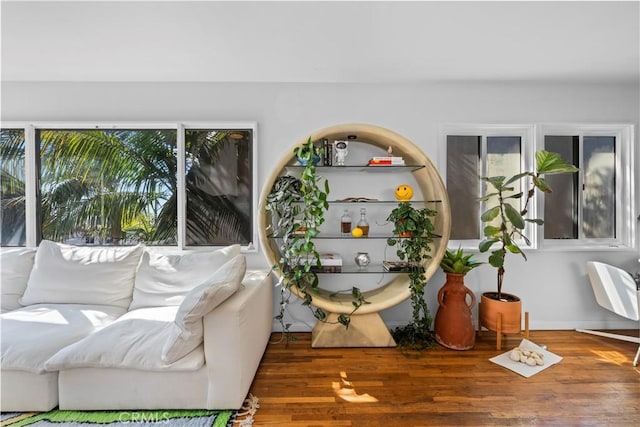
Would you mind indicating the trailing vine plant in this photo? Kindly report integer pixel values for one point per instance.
(414, 249)
(297, 206)
(283, 203)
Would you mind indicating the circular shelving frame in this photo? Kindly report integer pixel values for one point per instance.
(434, 195)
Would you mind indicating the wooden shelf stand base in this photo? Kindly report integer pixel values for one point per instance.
(365, 330)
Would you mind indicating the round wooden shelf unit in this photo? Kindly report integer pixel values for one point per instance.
(397, 289)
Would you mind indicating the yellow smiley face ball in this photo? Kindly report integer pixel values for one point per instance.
(404, 192)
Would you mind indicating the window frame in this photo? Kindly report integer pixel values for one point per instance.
(32, 181)
(625, 185)
(527, 135)
(533, 136)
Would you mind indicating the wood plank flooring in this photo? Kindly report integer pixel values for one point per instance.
(594, 385)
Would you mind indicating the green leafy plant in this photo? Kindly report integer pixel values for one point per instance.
(308, 153)
(358, 301)
(414, 249)
(298, 206)
(457, 262)
(511, 222)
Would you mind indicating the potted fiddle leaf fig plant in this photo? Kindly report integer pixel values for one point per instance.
(453, 324)
(414, 229)
(504, 232)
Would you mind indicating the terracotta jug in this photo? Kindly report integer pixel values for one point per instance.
(453, 325)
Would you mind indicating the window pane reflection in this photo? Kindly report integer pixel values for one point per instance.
(12, 196)
(561, 206)
(503, 159)
(463, 184)
(218, 186)
(599, 207)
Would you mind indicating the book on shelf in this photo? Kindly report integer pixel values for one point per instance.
(386, 161)
(357, 199)
(327, 152)
(397, 265)
(330, 263)
(392, 158)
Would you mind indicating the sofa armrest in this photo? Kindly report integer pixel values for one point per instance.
(236, 334)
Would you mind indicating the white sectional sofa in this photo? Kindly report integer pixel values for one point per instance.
(130, 328)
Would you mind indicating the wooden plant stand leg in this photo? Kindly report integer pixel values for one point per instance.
(499, 332)
(499, 329)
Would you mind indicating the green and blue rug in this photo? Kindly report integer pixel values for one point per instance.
(128, 418)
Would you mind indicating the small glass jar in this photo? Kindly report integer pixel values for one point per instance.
(363, 224)
(363, 260)
(345, 223)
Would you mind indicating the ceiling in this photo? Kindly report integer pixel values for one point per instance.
(304, 41)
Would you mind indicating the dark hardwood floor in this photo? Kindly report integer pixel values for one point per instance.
(594, 385)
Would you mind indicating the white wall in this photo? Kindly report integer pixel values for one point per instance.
(553, 285)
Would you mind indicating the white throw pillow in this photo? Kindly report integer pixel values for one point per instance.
(134, 341)
(164, 280)
(187, 332)
(15, 268)
(82, 275)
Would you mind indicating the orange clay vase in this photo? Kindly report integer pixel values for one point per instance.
(453, 325)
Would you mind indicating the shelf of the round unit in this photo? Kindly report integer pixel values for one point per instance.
(348, 237)
(370, 269)
(363, 168)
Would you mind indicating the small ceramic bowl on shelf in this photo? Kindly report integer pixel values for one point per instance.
(303, 162)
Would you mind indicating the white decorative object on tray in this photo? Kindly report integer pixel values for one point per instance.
(524, 369)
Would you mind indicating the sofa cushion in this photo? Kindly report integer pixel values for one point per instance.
(187, 331)
(15, 268)
(164, 280)
(134, 341)
(31, 335)
(82, 275)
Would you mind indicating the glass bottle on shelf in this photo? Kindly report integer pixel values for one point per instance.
(363, 224)
(345, 223)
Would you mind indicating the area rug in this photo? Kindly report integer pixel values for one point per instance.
(130, 418)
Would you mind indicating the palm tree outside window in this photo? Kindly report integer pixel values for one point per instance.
(121, 186)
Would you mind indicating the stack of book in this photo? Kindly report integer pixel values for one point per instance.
(386, 161)
(327, 153)
(398, 265)
(330, 263)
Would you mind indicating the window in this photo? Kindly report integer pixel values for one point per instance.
(107, 186)
(180, 184)
(218, 175)
(595, 206)
(12, 186)
(590, 209)
(471, 153)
